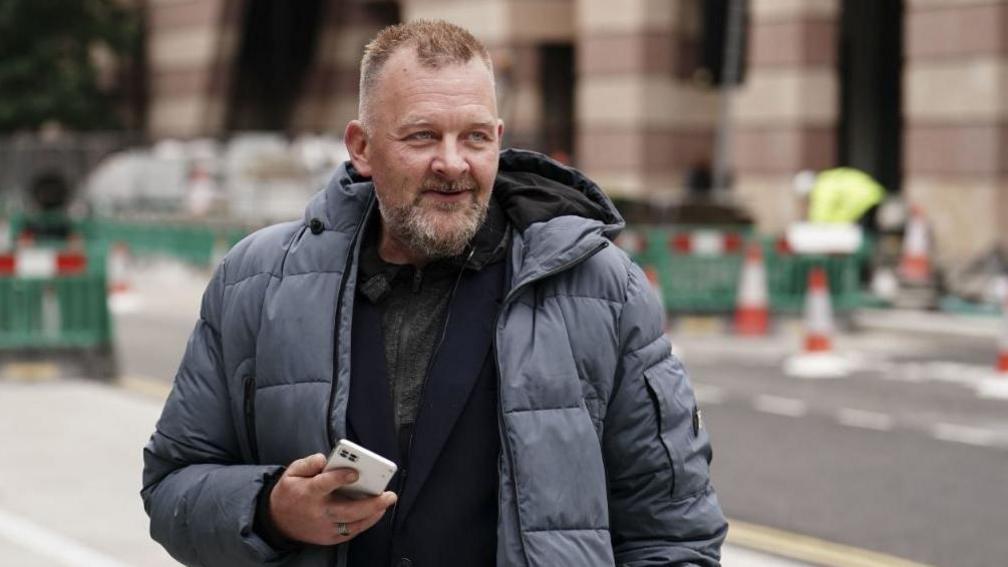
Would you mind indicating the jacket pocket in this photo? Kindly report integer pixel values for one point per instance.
(684, 439)
(250, 424)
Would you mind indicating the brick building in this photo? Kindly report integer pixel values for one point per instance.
(913, 91)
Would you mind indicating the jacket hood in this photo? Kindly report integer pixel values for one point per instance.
(533, 188)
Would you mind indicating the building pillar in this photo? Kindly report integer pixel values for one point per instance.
(329, 98)
(956, 122)
(785, 114)
(513, 31)
(192, 48)
(642, 118)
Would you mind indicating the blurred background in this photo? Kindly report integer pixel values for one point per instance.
(817, 190)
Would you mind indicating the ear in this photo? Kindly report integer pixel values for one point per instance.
(356, 142)
(500, 129)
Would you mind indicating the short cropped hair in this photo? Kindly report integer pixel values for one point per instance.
(436, 43)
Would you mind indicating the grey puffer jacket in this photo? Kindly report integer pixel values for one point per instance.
(603, 457)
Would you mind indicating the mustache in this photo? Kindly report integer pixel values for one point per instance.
(441, 186)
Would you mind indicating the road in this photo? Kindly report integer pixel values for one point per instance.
(901, 457)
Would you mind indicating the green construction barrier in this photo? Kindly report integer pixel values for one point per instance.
(192, 243)
(787, 277)
(695, 278)
(693, 281)
(59, 312)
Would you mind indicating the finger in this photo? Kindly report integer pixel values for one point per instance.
(328, 481)
(307, 467)
(361, 526)
(350, 511)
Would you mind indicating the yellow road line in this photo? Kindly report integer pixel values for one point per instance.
(809, 549)
(145, 385)
(29, 371)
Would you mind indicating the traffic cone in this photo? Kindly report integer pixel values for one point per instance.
(117, 267)
(652, 278)
(752, 312)
(915, 266)
(996, 386)
(817, 359)
(818, 313)
(218, 251)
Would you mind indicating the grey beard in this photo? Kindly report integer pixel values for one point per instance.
(410, 225)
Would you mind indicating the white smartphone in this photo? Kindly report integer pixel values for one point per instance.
(374, 471)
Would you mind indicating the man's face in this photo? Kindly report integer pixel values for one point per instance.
(431, 149)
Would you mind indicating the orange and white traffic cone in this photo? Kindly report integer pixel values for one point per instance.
(120, 289)
(655, 283)
(218, 251)
(117, 266)
(817, 359)
(818, 313)
(752, 311)
(996, 386)
(915, 264)
(632, 242)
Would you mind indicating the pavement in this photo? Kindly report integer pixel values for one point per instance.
(928, 322)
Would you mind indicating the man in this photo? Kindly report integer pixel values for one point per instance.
(459, 310)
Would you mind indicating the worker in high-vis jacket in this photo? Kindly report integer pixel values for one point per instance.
(839, 195)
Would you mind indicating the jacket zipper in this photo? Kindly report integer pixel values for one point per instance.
(505, 448)
(336, 324)
(250, 425)
(430, 366)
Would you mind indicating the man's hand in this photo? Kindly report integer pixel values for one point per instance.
(303, 507)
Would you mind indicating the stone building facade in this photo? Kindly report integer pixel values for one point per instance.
(613, 87)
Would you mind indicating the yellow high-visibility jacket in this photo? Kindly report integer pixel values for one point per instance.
(843, 195)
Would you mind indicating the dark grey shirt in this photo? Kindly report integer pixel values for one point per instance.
(413, 315)
(414, 304)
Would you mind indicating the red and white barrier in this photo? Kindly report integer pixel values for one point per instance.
(42, 263)
(706, 243)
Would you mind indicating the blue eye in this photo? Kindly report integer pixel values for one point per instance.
(424, 135)
(479, 137)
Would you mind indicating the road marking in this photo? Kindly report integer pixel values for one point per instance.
(777, 405)
(51, 544)
(963, 434)
(706, 394)
(865, 419)
(145, 385)
(809, 549)
(29, 371)
(699, 325)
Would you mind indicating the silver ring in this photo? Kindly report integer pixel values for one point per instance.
(342, 528)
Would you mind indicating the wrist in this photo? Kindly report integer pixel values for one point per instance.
(265, 524)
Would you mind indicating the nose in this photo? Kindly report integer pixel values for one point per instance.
(449, 162)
